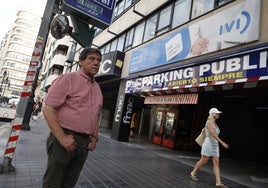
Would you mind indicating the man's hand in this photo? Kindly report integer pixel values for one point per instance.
(68, 143)
(93, 144)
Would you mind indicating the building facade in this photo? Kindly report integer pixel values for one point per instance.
(16, 52)
(183, 57)
(171, 61)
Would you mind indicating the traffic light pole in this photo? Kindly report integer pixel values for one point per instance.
(42, 35)
(82, 34)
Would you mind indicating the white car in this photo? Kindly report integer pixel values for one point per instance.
(14, 101)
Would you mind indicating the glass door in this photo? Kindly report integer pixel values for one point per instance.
(170, 127)
(158, 130)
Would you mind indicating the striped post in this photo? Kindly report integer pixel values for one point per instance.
(7, 167)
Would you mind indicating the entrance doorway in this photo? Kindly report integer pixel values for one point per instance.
(165, 126)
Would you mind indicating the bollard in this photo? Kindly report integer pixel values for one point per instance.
(6, 166)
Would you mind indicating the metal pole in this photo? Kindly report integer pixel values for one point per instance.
(2, 82)
(71, 55)
(42, 34)
(6, 83)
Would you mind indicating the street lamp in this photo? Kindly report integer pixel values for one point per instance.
(7, 84)
(2, 82)
(3, 79)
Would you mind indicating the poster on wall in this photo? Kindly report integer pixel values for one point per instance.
(232, 27)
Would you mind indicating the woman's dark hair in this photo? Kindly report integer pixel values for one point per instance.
(86, 51)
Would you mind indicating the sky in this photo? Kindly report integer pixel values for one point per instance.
(9, 9)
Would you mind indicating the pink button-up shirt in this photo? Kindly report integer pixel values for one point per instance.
(77, 102)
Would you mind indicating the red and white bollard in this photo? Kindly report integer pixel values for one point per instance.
(7, 167)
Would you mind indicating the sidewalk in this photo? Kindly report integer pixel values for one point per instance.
(134, 164)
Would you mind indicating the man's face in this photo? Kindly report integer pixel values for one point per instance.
(90, 66)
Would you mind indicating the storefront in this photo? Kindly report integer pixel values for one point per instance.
(108, 78)
(179, 100)
(170, 121)
(230, 74)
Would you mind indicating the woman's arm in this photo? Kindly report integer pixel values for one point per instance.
(209, 126)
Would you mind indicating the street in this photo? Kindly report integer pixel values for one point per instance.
(136, 164)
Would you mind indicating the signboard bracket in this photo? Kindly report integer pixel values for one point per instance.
(83, 34)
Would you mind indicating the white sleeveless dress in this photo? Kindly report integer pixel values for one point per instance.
(210, 146)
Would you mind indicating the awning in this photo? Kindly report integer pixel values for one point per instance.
(190, 98)
(209, 87)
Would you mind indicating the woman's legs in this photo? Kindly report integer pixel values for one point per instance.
(203, 160)
(216, 169)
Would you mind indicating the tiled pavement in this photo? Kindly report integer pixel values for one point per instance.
(114, 164)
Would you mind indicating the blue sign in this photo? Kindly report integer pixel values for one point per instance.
(239, 68)
(170, 49)
(101, 10)
(234, 26)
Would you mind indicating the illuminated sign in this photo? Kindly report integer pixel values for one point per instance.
(234, 69)
(97, 12)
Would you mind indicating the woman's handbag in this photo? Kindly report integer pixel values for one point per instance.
(201, 137)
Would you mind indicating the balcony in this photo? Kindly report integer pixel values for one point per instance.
(65, 41)
(47, 82)
(58, 59)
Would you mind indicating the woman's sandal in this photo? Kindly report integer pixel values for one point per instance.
(193, 177)
(222, 186)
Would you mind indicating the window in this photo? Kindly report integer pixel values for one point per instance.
(129, 39)
(201, 6)
(55, 70)
(128, 3)
(150, 28)
(139, 30)
(115, 11)
(181, 12)
(222, 2)
(175, 14)
(164, 20)
(113, 45)
(120, 45)
(120, 7)
(102, 50)
(107, 48)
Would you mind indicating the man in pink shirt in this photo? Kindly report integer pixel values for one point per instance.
(72, 109)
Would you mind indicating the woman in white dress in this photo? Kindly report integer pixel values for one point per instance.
(210, 147)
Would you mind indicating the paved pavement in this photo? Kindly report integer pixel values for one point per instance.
(135, 164)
